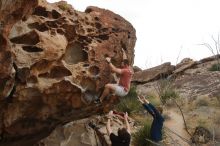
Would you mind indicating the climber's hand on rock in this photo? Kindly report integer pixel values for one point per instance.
(141, 99)
(110, 113)
(126, 115)
(108, 59)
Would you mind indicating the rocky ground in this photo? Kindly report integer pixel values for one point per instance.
(79, 133)
(198, 88)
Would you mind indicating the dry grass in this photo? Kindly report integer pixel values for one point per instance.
(202, 102)
(139, 138)
(64, 6)
(166, 91)
(202, 122)
(155, 100)
(129, 103)
(217, 120)
(217, 133)
(215, 67)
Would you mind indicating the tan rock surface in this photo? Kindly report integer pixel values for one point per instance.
(154, 73)
(11, 12)
(184, 65)
(85, 136)
(136, 68)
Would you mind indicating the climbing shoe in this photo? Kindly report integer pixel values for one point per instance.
(97, 101)
(92, 125)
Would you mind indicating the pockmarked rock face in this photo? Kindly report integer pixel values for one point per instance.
(58, 67)
(10, 13)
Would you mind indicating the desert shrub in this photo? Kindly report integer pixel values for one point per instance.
(217, 120)
(139, 138)
(202, 102)
(64, 6)
(168, 94)
(166, 91)
(214, 47)
(129, 103)
(217, 133)
(202, 122)
(218, 98)
(132, 93)
(215, 67)
(154, 100)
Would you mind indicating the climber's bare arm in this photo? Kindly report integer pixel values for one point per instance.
(113, 68)
(108, 126)
(127, 123)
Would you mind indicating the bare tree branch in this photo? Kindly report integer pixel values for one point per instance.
(179, 54)
(209, 47)
(186, 128)
(187, 141)
(153, 142)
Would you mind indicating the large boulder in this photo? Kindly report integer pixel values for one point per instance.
(11, 12)
(57, 67)
(154, 73)
(201, 135)
(185, 64)
(136, 68)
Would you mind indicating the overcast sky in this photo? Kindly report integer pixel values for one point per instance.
(167, 30)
